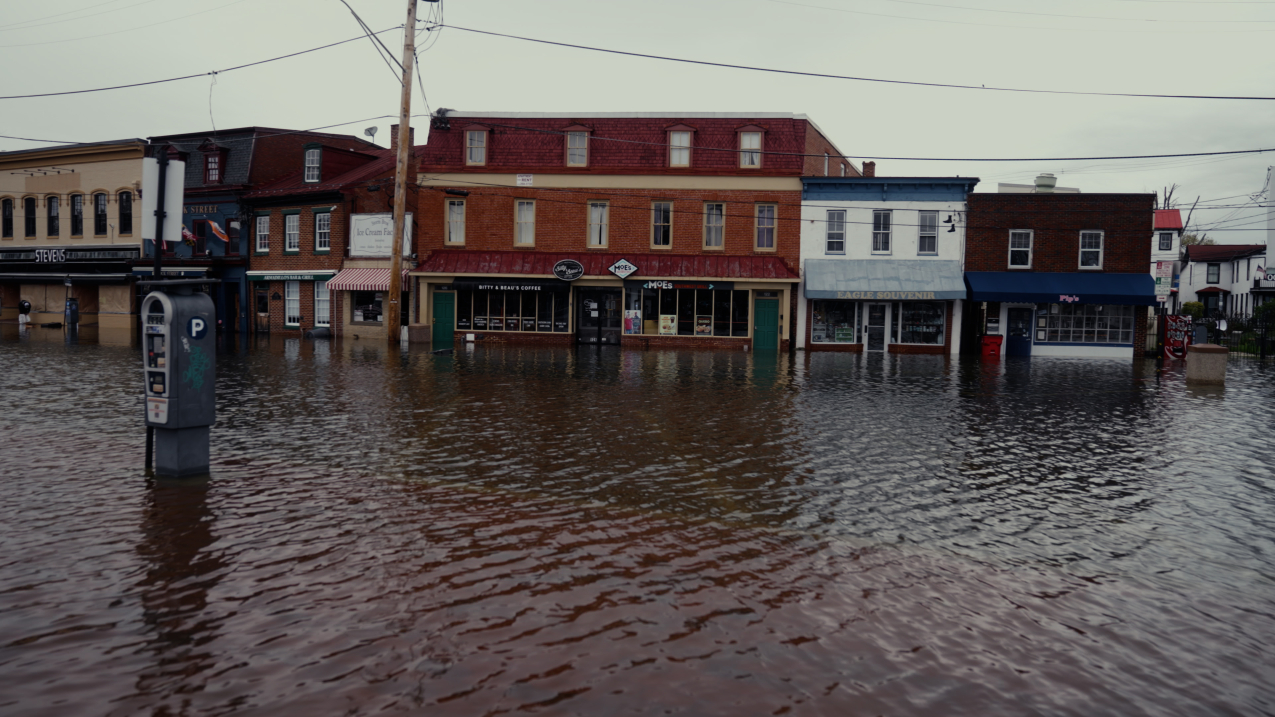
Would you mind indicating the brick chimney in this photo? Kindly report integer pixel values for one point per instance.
(869, 169)
(411, 137)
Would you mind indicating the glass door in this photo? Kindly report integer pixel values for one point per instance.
(1019, 337)
(875, 327)
(599, 317)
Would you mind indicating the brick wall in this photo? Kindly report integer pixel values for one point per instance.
(305, 260)
(276, 156)
(817, 145)
(1056, 221)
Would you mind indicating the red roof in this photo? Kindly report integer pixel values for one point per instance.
(1168, 219)
(1222, 252)
(650, 266)
(1213, 290)
(384, 162)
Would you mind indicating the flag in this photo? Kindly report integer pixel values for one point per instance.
(218, 231)
(186, 235)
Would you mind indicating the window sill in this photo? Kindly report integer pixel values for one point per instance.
(1090, 268)
(524, 246)
(367, 323)
(292, 253)
(882, 253)
(713, 248)
(454, 243)
(261, 253)
(927, 253)
(662, 247)
(763, 250)
(1020, 268)
(596, 247)
(322, 252)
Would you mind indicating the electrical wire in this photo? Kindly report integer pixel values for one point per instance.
(853, 78)
(128, 29)
(26, 24)
(377, 45)
(188, 77)
(1049, 14)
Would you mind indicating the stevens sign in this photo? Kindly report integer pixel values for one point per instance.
(370, 234)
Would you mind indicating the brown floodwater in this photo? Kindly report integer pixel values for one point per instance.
(596, 531)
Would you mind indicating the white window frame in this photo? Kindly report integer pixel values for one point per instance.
(1162, 237)
(882, 230)
(524, 222)
(1090, 235)
(599, 224)
(263, 234)
(476, 147)
(313, 164)
(927, 230)
(1208, 273)
(322, 304)
(825, 163)
(454, 222)
(291, 301)
(323, 232)
(655, 223)
(759, 227)
(1030, 248)
(714, 225)
(292, 232)
(679, 155)
(749, 155)
(835, 232)
(577, 149)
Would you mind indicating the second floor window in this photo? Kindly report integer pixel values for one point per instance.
(750, 149)
(577, 149)
(99, 214)
(881, 231)
(6, 218)
(679, 151)
(661, 224)
(476, 147)
(525, 222)
(599, 220)
(765, 226)
(835, 240)
(126, 212)
(1166, 241)
(312, 164)
(263, 234)
(1214, 274)
(1020, 249)
(714, 225)
(928, 236)
(212, 168)
(1091, 250)
(51, 204)
(77, 215)
(455, 221)
(28, 215)
(323, 232)
(292, 232)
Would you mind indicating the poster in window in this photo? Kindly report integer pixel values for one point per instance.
(496, 323)
(528, 324)
(480, 323)
(845, 335)
(703, 325)
(668, 324)
(632, 321)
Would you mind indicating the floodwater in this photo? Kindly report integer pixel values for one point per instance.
(603, 532)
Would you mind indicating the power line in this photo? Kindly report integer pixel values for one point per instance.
(1050, 14)
(188, 77)
(26, 24)
(128, 29)
(852, 78)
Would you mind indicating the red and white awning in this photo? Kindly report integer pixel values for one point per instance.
(364, 280)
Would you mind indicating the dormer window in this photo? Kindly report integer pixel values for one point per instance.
(212, 168)
(577, 148)
(750, 147)
(679, 145)
(313, 158)
(476, 147)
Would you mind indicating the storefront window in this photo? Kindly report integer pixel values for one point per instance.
(1086, 324)
(496, 310)
(366, 305)
(689, 312)
(923, 322)
(833, 322)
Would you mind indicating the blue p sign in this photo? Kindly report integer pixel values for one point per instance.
(197, 328)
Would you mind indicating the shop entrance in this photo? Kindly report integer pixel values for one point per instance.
(874, 327)
(263, 311)
(444, 323)
(598, 317)
(1018, 340)
(766, 327)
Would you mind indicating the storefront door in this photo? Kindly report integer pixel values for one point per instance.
(1018, 341)
(263, 311)
(875, 327)
(766, 326)
(444, 323)
(598, 317)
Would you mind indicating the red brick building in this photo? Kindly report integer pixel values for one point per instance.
(644, 229)
(319, 244)
(1059, 274)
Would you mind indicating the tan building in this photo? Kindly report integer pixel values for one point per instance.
(70, 228)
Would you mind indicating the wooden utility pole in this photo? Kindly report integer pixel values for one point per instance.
(393, 323)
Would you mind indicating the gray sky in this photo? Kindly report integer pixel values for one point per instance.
(1140, 46)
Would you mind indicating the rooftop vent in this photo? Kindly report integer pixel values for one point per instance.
(1045, 183)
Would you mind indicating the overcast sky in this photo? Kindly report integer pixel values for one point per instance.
(1139, 46)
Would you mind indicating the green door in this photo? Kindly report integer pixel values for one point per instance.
(442, 336)
(766, 325)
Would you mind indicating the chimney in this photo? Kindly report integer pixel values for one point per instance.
(411, 137)
(869, 169)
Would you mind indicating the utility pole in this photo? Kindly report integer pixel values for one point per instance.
(393, 315)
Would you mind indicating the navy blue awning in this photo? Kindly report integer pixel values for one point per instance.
(1071, 287)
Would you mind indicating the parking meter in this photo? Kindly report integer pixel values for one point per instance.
(179, 364)
(72, 316)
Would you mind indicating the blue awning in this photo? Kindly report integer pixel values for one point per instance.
(1033, 287)
(883, 279)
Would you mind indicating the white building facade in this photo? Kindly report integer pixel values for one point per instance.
(1226, 278)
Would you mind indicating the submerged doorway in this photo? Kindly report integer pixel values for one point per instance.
(1018, 339)
(598, 317)
(874, 327)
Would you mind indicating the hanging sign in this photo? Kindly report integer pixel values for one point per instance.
(622, 268)
(370, 234)
(568, 270)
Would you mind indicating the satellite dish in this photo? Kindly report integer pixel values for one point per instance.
(1221, 325)
(370, 132)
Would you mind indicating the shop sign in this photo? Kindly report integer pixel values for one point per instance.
(887, 295)
(509, 285)
(622, 268)
(322, 276)
(50, 256)
(568, 270)
(524, 180)
(370, 234)
(662, 284)
(1266, 276)
(668, 324)
(1064, 298)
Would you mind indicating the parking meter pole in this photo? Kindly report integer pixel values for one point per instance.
(150, 446)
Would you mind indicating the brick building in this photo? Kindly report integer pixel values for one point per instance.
(319, 245)
(221, 167)
(1059, 274)
(641, 229)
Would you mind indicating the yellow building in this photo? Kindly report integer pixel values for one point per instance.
(70, 228)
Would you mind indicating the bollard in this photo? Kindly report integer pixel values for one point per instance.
(1206, 363)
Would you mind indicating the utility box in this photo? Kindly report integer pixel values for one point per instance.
(179, 363)
(72, 317)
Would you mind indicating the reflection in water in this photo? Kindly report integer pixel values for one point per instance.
(599, 531)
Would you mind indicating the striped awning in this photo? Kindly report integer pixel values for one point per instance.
(364, 280)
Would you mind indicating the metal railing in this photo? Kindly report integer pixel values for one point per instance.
(1242, 334)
